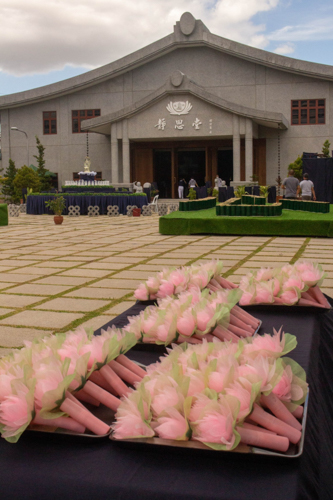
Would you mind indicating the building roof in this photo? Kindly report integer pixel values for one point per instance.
(180, 84)
(188, 32)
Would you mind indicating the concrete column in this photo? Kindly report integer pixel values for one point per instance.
(248, 149)
(114, 154)
(236, 147)
(126, 153)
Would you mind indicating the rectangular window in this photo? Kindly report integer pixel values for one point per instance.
(49, 122)
(83, 114)
(308, 112)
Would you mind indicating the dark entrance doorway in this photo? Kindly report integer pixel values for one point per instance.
(192, 163)
(162, 172)
(225, 165)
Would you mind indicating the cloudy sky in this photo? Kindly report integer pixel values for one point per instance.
(44, 41)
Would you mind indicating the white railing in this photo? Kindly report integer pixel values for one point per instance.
(87, 183)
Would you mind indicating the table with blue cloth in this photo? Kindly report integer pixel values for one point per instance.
(89, 189)
(36, 203)
(55, 467)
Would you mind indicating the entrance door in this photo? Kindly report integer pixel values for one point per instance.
(162, 172)
(225, 165)
(192, 163)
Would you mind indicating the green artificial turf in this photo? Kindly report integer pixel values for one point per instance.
(3, 214)
(290, 223)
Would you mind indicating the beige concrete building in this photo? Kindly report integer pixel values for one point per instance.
(190, 104)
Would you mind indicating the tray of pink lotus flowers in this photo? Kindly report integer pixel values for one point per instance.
(244, 397)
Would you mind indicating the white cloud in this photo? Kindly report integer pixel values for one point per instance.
(40, 36)
(287, 48)
(317, 29)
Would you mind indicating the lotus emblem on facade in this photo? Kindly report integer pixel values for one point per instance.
(179, 108)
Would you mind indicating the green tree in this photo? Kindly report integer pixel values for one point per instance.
(25, 178)
(7, 184)
(326, 149)
(297, 167)
(45, 183)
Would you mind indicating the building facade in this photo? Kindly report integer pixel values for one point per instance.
(190, 104)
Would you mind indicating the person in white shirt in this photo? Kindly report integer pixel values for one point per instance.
(306, 187)
(192, 183)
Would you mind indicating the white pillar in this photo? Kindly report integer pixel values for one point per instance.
(114, 154)
(248, 150)
(126, 153)
(236, 147)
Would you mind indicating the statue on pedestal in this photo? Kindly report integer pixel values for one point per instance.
(87, 163)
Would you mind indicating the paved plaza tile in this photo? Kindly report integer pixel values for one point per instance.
(44, 319)
(89, 264)
(72, 305)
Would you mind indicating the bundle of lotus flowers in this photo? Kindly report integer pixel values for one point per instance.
(45, 382)
(289, 285)
(193, 316)
(218, 393)
(173, 281)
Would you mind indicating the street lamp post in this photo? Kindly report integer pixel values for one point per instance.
(26, 135)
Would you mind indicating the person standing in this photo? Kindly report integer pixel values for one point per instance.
(306, 188)
(181, 187)
(192, 183)
(290, 184)
(218, 182)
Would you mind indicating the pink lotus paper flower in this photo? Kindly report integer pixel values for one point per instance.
(197, 384)
(264, 293)
(153, 284)
(170, 397)
(265, 274)
(290, 296)
(215, 428)
(285, 389)
(174, 426)
(186, 323)
(48, 378)
(204, 317)
(16, 412)
(141, 293)
(166, 288)
(265, 345)
(312, 274)
(6, 379)
(201, 279)
(129, 423)
(294, 281)
(243, 396)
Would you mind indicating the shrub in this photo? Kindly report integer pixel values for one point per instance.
(25, 178)
(7, 184)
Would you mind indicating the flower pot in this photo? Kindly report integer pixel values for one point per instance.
(278, 199)
(58, 219)
(136, 212)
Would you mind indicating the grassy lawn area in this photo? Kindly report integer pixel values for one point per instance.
(291, 223)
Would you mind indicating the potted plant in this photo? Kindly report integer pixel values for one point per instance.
(57, 205)
(238, 193)
(192, 194)
(264, 191)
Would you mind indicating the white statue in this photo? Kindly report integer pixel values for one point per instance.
(87, 163)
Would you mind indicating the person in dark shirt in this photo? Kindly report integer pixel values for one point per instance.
(181, 187)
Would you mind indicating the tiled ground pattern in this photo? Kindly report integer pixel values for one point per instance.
(84, 272)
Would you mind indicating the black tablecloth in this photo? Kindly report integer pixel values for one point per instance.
(87, 177)
(36, 204)
(58, 467)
